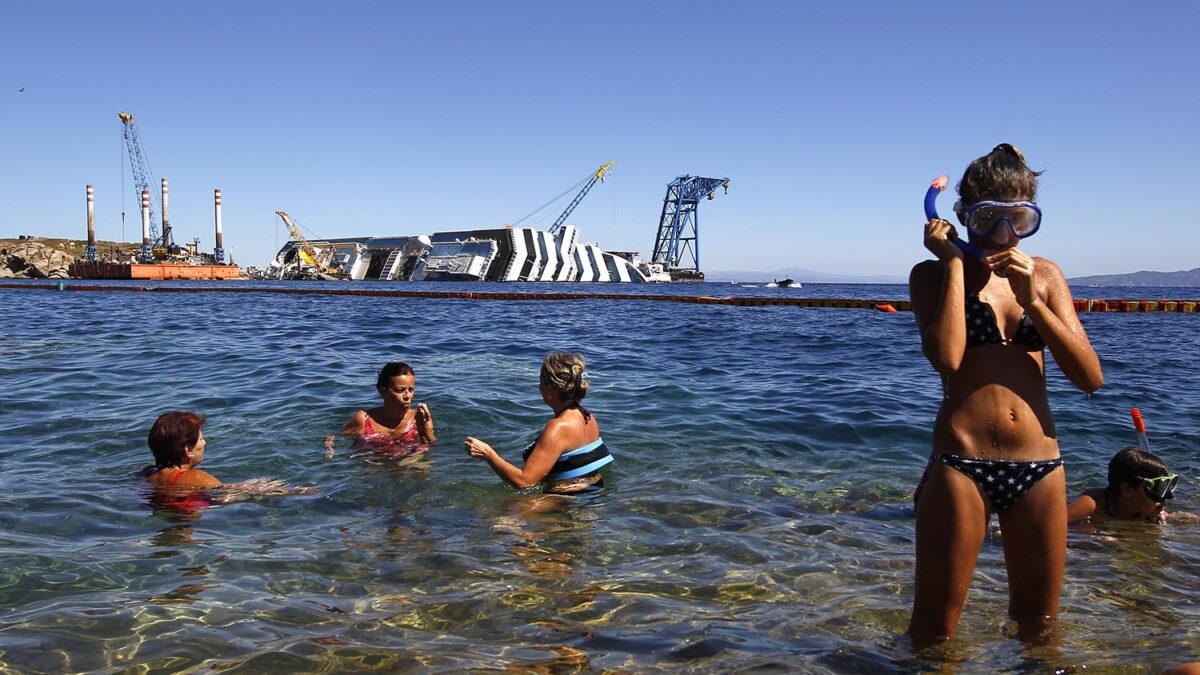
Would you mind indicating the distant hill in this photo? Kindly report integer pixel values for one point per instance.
(1189, 278)
(804, 276)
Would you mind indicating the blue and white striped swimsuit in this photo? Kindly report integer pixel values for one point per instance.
(578, 463)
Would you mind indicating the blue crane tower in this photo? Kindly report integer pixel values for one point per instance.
(678, 228)
(140, 167)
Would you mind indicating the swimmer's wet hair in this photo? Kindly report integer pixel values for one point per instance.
(170, 437)
(564, 373)
(1000, 174)
(390, 370)
(1131, 465)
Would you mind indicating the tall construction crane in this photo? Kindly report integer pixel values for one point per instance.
(586, 182)
(678, 228)
(140, 168)
(308, 252)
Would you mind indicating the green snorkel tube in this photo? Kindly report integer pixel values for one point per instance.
(931, 195)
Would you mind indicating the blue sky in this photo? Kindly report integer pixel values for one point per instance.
(830, 119)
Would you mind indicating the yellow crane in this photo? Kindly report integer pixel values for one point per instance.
(308, 252)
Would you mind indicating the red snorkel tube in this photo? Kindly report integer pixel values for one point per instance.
(931, 195)
(1140, 427)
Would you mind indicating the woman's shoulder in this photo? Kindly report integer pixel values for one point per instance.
(572, 418)
(927, 270)
(925, 276)
(927, 266)
(196, 478)
(184, 478)
(1049, 268)
(571, 430)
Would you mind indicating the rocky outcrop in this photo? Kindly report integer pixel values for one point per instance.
(32, 259)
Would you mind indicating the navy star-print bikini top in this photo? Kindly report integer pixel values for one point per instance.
(982, 328)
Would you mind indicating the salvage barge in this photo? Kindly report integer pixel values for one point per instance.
(152, 271)
(164, 261)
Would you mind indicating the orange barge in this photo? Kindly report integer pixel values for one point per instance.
(153, 271)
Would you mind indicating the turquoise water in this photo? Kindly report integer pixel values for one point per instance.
(758, 514)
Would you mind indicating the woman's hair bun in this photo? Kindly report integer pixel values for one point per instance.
(1011, 149)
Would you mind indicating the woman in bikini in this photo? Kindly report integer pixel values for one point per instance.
(569, 453)
(396, 422)
(985, 319)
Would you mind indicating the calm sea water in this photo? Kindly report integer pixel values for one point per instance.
(758, 514)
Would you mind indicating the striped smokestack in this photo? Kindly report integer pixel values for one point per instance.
(166, 236)
(145, 217)
(90, 251)
(147, 247)
(219, 251)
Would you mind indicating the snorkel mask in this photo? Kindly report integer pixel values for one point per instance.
(1162, 488)
(982, 218)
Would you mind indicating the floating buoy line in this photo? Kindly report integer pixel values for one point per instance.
(888, 306)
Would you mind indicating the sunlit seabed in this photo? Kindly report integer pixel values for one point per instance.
(758, 514)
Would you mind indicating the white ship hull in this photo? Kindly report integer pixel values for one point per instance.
(507, 254)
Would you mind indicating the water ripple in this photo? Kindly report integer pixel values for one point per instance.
(758, 515)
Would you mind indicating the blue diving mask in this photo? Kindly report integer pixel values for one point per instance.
(982, 218)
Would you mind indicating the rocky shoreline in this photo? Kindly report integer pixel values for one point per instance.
(29, 257)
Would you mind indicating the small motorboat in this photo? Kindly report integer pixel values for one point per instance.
(783, 283)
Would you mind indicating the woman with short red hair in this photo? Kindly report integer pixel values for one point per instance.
(177, 441)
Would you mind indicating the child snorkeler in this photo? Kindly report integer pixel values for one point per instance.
(397, 421)
(1139, 484)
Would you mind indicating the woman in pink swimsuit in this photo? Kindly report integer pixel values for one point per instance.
(397, 421)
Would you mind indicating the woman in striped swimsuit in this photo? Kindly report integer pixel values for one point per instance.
(569, 453)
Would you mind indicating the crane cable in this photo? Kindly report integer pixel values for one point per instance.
(299, 226)
(564, 193)
(122, 172)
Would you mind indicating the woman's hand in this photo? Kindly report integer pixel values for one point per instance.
(478, 449)
(424, 417)
(424, 420)
(939, 239)
(1018, 268)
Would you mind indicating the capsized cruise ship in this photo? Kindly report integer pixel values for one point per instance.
(504, 254)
